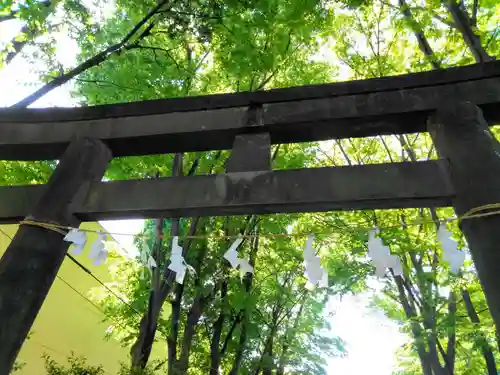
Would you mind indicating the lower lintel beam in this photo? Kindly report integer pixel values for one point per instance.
(378, 186)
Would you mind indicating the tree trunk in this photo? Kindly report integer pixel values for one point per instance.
(483, 342)
(286, 342)
(429, 316)
(423, 43)
(452, 335)
(472, 40)
(215, 352)
(266, 362)
(193, 318)
(195, 311)
(247, 281)
(416, 329)
(281, 366)
(236, 321)
(269, 363)
(174, 329)
(141, 350)
(238, 358)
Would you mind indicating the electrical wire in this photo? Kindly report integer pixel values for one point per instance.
(91, 302)
(65, 356)
(86, 270)
(89, 272)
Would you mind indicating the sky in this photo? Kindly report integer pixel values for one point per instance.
(371, 338)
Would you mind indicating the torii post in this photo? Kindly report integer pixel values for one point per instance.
(461, 135)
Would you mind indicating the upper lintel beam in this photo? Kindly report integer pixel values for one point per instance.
(390, 105)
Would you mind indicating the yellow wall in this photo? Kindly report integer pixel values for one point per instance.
(68, 322)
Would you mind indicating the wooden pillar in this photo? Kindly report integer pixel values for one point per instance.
(30, 263)
(461, 135)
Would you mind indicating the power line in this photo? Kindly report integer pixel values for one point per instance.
(48, 348)
(82, 267)
(58, 352)
(85, 269)
(89, 301)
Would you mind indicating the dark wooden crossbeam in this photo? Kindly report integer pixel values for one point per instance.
(378, 186)
(391, 105)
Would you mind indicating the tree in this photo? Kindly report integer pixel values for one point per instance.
(269, 322)
(176, 71)
(416, 298)
(40, 21)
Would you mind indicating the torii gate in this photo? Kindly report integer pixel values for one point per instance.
(455, 105)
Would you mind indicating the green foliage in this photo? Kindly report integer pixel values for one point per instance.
(18, 366)
(75, 366)
(272, 318)
(78, 366)
(24, 173)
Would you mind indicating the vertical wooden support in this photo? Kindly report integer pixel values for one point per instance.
(30, 264)
(251, 152)
(461, 135)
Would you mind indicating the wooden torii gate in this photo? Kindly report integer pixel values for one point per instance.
(455, 105)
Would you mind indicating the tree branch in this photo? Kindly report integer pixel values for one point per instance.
(13, 13)
(247, 282)
(93, 61)
(423, 43)
(483, 342)
(417, 331)
(229, 335)
(422, 9)
(452, 334)
(472, 40)
(473, 19)
(103, 83)
(174, 328)
(215, 352)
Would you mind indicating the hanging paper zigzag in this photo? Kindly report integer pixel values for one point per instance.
(314, 272)
(146, 259)
(231, 256)
(177, 262)
(451, 255)
(78, 239)
(381, 257)
(98, 250)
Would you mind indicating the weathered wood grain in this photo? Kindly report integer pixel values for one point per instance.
(378, 186)
(30, 263)
(245, 99)
(358, 114)
(461, 135)
(251, 152)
